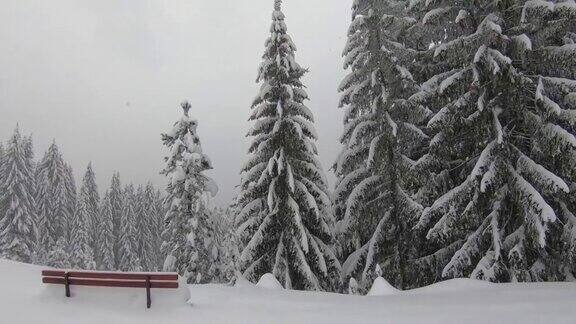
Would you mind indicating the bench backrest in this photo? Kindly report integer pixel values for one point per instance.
(110, 279)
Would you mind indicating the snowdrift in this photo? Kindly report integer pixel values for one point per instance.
(381, 287)
(24, 299)
(268, 281)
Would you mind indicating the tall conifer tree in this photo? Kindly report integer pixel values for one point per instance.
(128, 257)
(107, 240)
(71, 194)
(90, 201)
(116, 201)
(285, 217)
(187, 235)
(143, 233)
(150, 233)
(82, 251)
(18, 232)
(382, 139)
(52, 202)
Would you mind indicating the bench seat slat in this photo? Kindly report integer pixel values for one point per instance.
(111, 275)
(94, 282)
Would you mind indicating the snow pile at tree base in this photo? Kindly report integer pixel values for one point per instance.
(25, 300)
(381, 287)
(268, 281)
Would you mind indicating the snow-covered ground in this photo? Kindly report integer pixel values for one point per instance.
(24, 300)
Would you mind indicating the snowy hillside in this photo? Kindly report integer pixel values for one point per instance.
(25, 300)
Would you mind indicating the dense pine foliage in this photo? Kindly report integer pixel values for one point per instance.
(188, 236)
(504, 129)
(18, 231)
(285, 219)
(464, 111)
(382, 139)
(52, 202)
(45, 221)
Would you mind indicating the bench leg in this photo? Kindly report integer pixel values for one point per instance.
(67, 284)
(148, 299)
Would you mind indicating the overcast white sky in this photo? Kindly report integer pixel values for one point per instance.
(105, 77)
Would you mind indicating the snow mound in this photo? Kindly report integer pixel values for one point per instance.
(455, 286)
(268, 281)
(381, 287)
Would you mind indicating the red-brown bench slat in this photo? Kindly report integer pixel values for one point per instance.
(111, 275)
(110, 283)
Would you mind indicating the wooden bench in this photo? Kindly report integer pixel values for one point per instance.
(111, 279)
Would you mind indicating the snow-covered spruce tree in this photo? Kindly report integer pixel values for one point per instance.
(106, 241)
(53, 212)
(158, 227)
(127, 250)
(116, 201)
(143, 236)
(382, 138)
(285, 216)
(18, 233)
(81, 250)
(71, 197)
(187, 235)
(89, 199)
(504, 127)
(152, 216)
